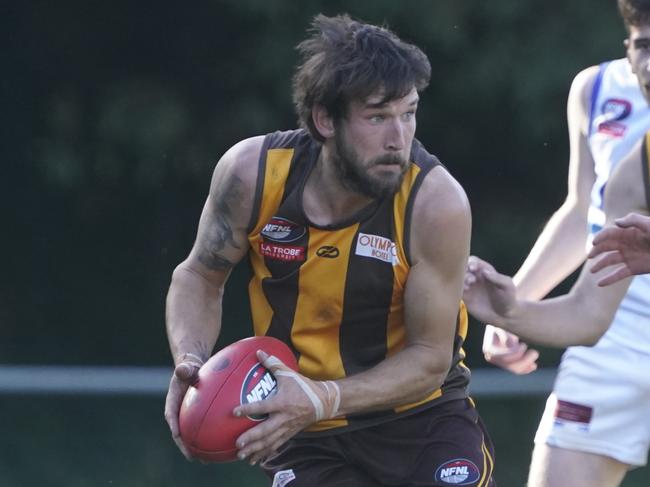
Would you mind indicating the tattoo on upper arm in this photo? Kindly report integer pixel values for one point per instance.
(219, 234)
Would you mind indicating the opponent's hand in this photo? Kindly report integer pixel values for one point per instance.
(299, 402)
(490, 297)
(626, 245)
(185, 374)
(504, 350)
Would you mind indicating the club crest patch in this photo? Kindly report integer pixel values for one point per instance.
(377, 247)
(613, 110)
(459, 471)
(282, 230)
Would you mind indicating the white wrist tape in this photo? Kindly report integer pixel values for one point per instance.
(315, 400)
(337, 396)
(331, 388)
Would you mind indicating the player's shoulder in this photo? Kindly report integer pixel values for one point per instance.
(241, 161)
(584, 82)
(587, 80)
(587, 76)
(441, 220)
(440, 200)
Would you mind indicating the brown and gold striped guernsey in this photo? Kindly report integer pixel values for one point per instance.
(335, 293)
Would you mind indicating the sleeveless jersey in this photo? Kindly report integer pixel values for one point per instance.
(620, 116)
(334, 293)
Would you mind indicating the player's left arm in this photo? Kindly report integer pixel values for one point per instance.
(439, 248)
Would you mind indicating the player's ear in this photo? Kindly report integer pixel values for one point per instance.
(323, 121)
(626, 44)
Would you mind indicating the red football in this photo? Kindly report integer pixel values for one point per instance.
(231, 377)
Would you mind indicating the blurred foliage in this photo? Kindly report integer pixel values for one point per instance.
(115, 114)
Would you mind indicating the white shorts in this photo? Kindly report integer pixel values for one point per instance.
(601, 403)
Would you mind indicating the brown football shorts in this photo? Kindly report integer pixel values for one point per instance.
(445, 445)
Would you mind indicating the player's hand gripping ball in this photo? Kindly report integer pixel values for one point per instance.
(231, 377)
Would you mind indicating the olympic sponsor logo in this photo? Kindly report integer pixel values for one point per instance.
(286, 253)
(613, 110)
(459, 471)
(377, 247)
(258, 385)
(282, 230)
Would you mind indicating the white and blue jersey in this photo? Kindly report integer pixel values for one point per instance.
(620, 116)
(601, 394)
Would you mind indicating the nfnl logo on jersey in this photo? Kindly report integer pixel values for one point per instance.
(377, 247)
(457, 472)
(282, 230)
(257, 386)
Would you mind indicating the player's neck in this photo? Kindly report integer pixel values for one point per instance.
(326, 199)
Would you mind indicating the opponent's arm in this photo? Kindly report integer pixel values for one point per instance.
(584, 314)
(193, 310)
(560, 248)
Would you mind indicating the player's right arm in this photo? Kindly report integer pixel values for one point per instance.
(194, 299)
(560, 248)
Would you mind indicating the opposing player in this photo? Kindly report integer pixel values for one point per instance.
(626, 246)
(607, 114)
(358, 239)
(492, 297)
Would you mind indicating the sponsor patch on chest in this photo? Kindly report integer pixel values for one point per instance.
(377, 247)
(286, 253)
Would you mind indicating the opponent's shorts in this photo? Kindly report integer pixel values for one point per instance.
(444, 445)
(600, 403)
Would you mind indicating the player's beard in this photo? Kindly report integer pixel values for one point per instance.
(355, 175)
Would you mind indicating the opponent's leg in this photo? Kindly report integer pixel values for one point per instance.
(559, 467)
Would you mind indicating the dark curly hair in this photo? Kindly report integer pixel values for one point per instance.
(634, 12)
(346, 60)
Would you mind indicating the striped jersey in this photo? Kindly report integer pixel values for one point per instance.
(334, 293)
(620, 117)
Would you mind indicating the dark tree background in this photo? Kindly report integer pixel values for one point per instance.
(113, 116)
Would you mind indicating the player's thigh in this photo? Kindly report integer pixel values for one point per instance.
(314, 462)
(440, 446)
(560, 467)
